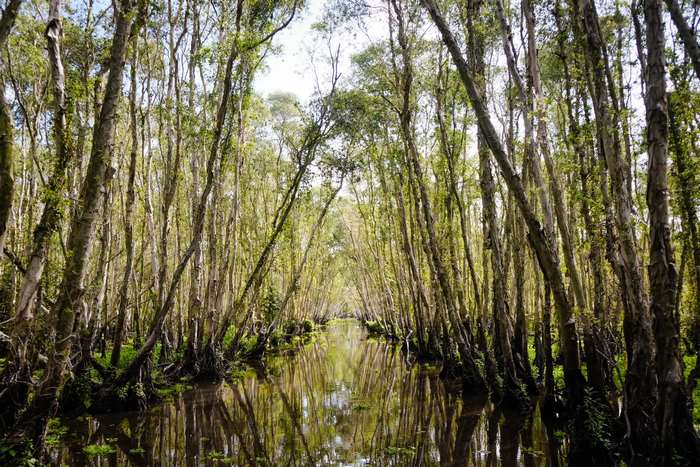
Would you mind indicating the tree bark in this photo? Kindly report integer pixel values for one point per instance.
(548, 262)
(673, 418)
(678, 110)
(128, 221)
(7, 178)
(640, 382)
(82, 231)
(198, 226)
(424, 208)
(52, 214)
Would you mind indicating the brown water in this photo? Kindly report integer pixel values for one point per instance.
(341, 400)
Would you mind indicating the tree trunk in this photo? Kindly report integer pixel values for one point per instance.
(547, 261)
(688, 36)
(52, 214)
(678, 110)
(198, 227)
(640, 382)
(424, 208)
(82, 231)
(673, 418)
(7, 178)
(128, 221)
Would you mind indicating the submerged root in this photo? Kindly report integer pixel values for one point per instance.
(211, 364)
(132, 395)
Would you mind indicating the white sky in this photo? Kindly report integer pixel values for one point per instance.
(300, 48)
(290, 69)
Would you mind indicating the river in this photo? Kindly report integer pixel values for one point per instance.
(343, 399)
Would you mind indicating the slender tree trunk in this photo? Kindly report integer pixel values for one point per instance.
(685, 176)
(128, 221)
(543, 143)
(198, 226)
(424, 209)
(294, 283)
(673, 418)
(52, 214)
(82, 231)
(547, 260)
(640, 383)
(7, 177)
(194, 307)
(688, 36)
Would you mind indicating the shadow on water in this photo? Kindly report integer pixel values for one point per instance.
(341, 400)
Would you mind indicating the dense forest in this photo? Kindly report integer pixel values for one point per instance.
(508, 189)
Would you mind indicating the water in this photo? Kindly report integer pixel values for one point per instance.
(343, 399)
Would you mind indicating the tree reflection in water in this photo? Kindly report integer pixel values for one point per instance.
(341, 400)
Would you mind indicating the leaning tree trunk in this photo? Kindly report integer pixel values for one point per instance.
(599, 369)
(198, 226)
(81, 234)
(678, 110)
(548, 262)
(424, 209)
(13, 377)
(527, 100)
(673, 418)
(688, 36)
(194, 306)
(298, 270)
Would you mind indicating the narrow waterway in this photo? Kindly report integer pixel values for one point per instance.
(343, 399)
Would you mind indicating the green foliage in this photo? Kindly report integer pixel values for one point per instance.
(96, 450)
(360, 407)
(55, 432)
(688, 365)
(126, 356)
(17, 454)
(596, 421)
(219, 457)
(7, 279)
(270, 305)
(123, 392)
(168, 392)
(240, 371)
(307, 326)
(374, 328)
(80, 390)
(228, 337)
(400, 451)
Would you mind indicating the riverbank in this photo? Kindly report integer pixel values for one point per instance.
(160, 382)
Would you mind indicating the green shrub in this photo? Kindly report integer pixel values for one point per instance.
(308, 325)
(94, 450)
(374, 327)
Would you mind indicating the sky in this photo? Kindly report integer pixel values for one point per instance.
(290, 69)
(301, 49)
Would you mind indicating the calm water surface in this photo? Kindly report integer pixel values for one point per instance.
(341, 400)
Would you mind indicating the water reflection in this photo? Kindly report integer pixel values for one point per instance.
(342, 400)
